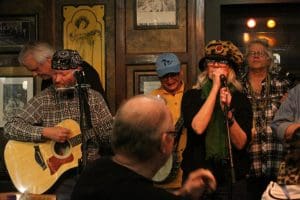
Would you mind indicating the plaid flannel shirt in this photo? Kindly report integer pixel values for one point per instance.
(266, 150)
(49, 108)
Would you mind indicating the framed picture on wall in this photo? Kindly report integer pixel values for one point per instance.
(15, 30)
(151, 14)
(14, 93)
(84, 31)
(145, 82)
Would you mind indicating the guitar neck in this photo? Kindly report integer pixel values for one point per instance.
(76, 140)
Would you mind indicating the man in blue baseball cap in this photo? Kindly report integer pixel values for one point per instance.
(170, 74)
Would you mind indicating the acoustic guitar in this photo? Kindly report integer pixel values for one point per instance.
(35, 167)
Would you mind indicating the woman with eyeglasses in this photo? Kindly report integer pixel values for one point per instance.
(265, 89)
(217, 113)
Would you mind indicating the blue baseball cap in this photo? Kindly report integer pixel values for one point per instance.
(167, 63)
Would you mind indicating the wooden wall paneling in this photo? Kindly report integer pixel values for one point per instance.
(199, 32)
(192, 40)
(111, 58)
(195, 37)
(120, 71)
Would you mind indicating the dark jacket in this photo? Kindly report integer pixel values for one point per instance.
(194, 154)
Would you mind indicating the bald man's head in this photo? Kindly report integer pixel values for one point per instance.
(139, 124)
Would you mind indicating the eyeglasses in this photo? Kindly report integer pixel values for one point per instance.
(220, 63)
(257, 54)
(169, 75)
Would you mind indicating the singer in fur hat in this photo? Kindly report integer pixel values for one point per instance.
(217, 115)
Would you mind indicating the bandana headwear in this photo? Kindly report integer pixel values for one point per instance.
(66, 59)
(222, 50)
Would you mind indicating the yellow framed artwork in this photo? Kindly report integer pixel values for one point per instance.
(84, 30)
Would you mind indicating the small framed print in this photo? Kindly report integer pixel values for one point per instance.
(151, 14)
(14, 93)
(146, 82)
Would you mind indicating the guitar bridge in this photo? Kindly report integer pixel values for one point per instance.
(39, 158)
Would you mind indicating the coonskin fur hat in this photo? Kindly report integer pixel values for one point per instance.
(222, 50)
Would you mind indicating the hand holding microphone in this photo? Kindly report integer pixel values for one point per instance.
(223, 80)
(225, 96)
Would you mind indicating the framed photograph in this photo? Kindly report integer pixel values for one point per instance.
(14, 93)
(151, 14)
(16, 30)
(145, 82)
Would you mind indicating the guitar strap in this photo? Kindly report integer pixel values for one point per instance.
(90, 147)
(85, 117)
(178, 128)
(166, 174)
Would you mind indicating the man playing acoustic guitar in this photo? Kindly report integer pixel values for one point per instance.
(45, 138)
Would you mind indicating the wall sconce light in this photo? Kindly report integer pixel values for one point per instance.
(246, 37)
(251, 23)
(271, 23)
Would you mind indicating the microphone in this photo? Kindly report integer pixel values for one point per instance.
(80, 76)
(223, 80)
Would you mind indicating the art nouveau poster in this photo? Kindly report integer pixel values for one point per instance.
(84, 30)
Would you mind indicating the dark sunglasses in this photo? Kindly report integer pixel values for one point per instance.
(169, 75)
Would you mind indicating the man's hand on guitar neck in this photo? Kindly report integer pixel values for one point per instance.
(58, 134)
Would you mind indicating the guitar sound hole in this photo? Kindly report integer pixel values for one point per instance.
(62, 149)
